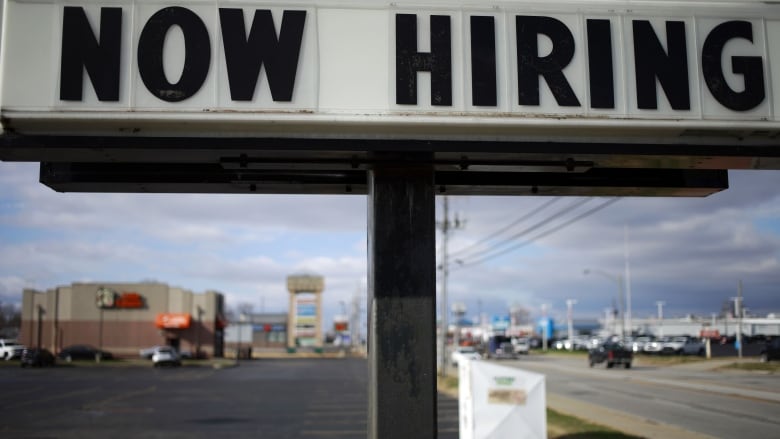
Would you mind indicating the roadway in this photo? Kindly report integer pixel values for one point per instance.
(687, 401)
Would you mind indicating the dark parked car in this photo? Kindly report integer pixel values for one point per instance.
(771, 351)
(37, 357)
(611, 352)
(500, 346)
(83, 352)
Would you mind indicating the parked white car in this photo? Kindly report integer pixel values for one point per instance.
(521, 345)
(147, 353)
(683, 345)
(655, 346)
(465, 353)
(166, 356)
(639, 343)
(10, 349)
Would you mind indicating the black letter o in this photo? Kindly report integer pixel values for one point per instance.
(197, 54)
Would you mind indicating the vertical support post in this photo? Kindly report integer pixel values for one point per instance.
(318, 326)
(291, 323)
(100, 337)
(41, 312)
(402, 301)
(445, 272)
(198, 330)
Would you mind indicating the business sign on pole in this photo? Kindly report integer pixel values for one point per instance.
(436, 69)
(500, 402)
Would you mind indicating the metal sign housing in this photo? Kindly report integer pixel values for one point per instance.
(301, 97)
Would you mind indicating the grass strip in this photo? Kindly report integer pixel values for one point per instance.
(561, 426)
(771, 368)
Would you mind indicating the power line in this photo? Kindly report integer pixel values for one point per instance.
(529, 229)
(507, 227)
(541, 235)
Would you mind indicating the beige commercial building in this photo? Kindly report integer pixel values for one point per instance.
(124, 317)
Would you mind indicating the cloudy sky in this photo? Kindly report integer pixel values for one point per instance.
(689, 252)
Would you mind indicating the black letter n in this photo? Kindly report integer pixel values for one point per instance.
(80, 50)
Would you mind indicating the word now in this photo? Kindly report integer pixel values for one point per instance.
(244, 56)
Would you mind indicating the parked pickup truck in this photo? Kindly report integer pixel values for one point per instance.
(611, 352)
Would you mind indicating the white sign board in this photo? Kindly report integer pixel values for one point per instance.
(498, 402)
(367, 69)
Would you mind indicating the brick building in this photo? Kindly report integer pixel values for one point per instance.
(124, 317)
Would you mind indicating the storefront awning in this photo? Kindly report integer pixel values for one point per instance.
(173, 320)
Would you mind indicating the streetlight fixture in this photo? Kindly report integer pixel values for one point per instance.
(618, 279)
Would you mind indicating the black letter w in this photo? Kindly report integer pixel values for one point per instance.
(245, 56)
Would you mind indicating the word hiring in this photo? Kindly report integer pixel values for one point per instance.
(653, 62)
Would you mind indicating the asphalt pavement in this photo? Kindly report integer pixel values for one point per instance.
(294, 398)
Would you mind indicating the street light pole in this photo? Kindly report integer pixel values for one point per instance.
(621, 295)
(739, 318)
(546, 324)
(660, 304)
(569, 304)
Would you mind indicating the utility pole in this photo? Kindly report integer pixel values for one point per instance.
(626, 256)
(739, 318)
(445, 225)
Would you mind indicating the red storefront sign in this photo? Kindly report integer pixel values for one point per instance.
(173, 320)
(129, 300)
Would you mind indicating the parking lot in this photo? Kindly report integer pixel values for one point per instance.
(301, 398)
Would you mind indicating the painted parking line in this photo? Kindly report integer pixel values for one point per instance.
(53, 397)
(119, 397)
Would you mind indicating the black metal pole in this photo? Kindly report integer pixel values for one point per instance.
(198, 327)
(402, 301)
(100, 337)
(41, 312)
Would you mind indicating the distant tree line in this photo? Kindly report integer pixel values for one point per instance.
(10, 316)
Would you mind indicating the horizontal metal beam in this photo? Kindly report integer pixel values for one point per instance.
(214, 178)
(292, 153)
